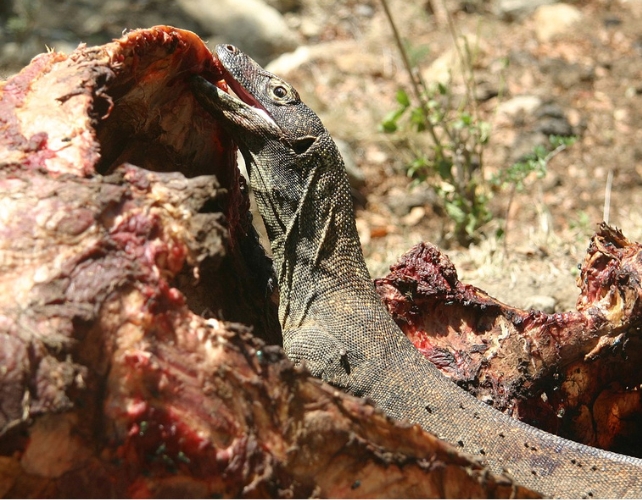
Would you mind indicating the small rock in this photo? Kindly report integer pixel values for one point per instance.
(551, 120)
(515, 10)
(447, 66)
(364, 10)
(485, 91)
(414, 216)
(542, 303)
(554, 126)
(550, 110)
(441, 69)
(525, 144)
(610, 21)
(402, 201)
(567, 75)
(575, 119)
(537, 122)
(310, 28)
(555, 20)
(523, 104)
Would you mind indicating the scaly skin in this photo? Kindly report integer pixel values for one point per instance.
(332, 318)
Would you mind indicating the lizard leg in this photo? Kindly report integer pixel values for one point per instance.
(323, 354)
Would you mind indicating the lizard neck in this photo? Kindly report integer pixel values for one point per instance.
(312, 232)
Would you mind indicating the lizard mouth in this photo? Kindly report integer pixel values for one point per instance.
(244, 96)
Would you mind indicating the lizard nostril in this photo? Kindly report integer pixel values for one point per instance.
(230, 48)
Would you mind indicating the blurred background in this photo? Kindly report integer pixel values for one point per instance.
(501, 130)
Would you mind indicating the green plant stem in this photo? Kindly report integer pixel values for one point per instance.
(466, 70)
(415, 78)
(463, 61)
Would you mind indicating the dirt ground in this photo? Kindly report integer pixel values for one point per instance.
(591, 71)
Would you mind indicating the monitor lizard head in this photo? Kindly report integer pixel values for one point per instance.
(267, 109)
(291, 159)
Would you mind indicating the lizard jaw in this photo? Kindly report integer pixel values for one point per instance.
(244, 96)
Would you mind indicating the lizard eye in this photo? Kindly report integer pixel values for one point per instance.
(280, 91)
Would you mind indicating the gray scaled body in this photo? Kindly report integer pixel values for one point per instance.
(333, 320)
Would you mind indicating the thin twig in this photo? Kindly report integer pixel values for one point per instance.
(464, 62)
(415, 78)
(607, 196)
(468, 77)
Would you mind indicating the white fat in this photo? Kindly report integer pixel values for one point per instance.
(213, 323)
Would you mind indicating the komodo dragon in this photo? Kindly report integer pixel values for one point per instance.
(333, 320)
